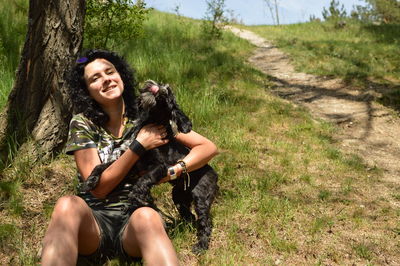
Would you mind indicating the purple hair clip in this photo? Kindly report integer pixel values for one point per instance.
(82, 60)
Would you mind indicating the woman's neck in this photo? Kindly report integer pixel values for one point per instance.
(116, 118)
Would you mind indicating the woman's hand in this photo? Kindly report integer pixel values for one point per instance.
(202, 150)
(178, 171)
(152, 136)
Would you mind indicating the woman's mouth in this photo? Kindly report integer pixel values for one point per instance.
(109, 88)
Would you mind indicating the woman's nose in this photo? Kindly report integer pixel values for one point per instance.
(107, 78)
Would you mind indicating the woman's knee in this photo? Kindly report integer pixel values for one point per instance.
(146, 219)
(68, 205)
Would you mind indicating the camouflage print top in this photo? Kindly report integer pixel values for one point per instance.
(84, 134)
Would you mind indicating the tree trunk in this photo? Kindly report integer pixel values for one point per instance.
(38, 105)
(277, 12)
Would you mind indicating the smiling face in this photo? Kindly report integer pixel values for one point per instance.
(103, 81)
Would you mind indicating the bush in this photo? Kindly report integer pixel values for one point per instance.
(388, 11)
(378, 11)
(112, 20)
(215, 19)
(334, 12)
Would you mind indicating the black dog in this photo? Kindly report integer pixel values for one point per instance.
(198, 187)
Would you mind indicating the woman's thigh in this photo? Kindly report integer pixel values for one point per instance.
(73, 213)
(144, 224)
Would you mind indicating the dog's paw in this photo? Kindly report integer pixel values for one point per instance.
(199, 248)
(92, 181)
(186, 215)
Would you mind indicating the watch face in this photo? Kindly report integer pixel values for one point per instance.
(171, 171)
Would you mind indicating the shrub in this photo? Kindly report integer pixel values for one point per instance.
(113, 20)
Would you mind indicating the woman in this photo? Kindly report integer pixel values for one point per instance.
(94, 224)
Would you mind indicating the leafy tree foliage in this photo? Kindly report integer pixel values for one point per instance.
(387, 11)
(364, 14)
(116, 20)
(334, 12)
(215, 18)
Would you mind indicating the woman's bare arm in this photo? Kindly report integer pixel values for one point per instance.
(202, 151)
(87, 159)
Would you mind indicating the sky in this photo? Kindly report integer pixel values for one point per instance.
(254, 12)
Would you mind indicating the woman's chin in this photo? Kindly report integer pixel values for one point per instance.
(112, 94)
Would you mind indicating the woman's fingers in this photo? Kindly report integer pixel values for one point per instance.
(152, 136)
(157, 129)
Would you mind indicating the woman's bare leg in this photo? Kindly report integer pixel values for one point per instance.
(72, 229)
(145, 236)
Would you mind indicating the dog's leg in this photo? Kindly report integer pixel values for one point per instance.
(140, 195)
(202, 207)
(182, 200)
(91, 182)
(203, 196)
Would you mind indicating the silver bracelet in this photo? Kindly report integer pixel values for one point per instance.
(172, 173)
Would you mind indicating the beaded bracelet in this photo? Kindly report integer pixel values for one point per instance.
(183, 165)
(186, 177)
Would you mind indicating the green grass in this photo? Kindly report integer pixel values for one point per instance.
(362, 54)
(287, 193)
(12, 33)
(363, 251)
(11, 196)
(8, 232)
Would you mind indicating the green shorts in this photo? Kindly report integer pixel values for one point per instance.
(112, 222)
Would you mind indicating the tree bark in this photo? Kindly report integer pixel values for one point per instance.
(39, 106)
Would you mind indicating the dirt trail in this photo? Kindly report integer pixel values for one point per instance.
(369, 129)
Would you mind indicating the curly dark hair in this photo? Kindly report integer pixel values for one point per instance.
(82, 102)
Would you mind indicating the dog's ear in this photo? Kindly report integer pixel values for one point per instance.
(177, 115)
(182, 121)
(146, 101)
(143, 112)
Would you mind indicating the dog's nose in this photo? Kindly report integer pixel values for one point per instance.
(154, 89)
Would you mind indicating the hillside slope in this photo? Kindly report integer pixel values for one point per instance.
(288, 193)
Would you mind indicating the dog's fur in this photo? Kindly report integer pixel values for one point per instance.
(198, 187)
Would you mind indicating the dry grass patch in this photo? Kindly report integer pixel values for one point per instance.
(37, 186)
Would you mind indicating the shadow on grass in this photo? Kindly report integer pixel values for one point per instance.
(387, 33)
(391, 99)
(302, 94)
(390, 92)
(360, 63)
